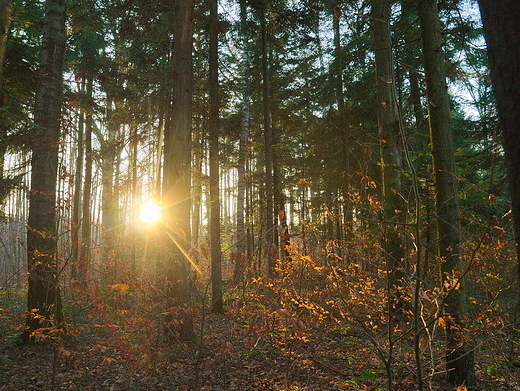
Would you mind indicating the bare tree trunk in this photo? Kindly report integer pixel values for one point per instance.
(240, 259)
(216, 252)
(109, 161)
(5, 21)
(391, 150)
(76, 203)
(86, 226)
(283, 235)
(268, 150)
(459, 353)
(502, 32)
(177, 172)
(43, 296)
(134, 205)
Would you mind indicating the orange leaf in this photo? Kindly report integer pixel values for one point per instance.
(491, 199)
(501, 242)
(442, 323)
(304, 183)
(119, 287)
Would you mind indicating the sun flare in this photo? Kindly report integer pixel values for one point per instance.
(150, 212)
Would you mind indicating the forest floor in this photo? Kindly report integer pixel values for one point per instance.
(103, 355)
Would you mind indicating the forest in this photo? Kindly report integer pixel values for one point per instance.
(259, 195)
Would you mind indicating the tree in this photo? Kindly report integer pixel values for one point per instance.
(390, 146)
(240, 259)
(459, 353)
(5, 10)
(268, 148)
(216, 252)
(43, 297)
(502, 32)
(177, 167)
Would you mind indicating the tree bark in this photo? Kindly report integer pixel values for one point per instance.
(5, 11)
(216, 252)
(110, 150)
(43, 297)
(240, 259)
(268, 150)
(391, 150)
(5, 21)
(78, 181)
(502, 32)
(459, 353)
(177, 172)
(86, 227)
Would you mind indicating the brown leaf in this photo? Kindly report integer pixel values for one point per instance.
(337, 12)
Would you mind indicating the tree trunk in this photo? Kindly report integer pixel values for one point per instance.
(282, 227)
(5, 11)
(216, 252)
(76, 203)
(341, 124)
(459, 353)
(43, 297)
(86, 226)
(177, 172)
(502, 32)
(240, 259)
(5, 21)
(268, 150)
(109, 161)
(134, 205)
(391, 150)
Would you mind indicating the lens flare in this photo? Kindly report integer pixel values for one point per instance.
(150, 212)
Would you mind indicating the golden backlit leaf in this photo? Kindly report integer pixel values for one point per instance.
(498, 229)
(303, 182)
(442, 323)
(491, 199)
(501, 242)
(119, 287)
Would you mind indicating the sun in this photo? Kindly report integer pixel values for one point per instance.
(150, 212)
